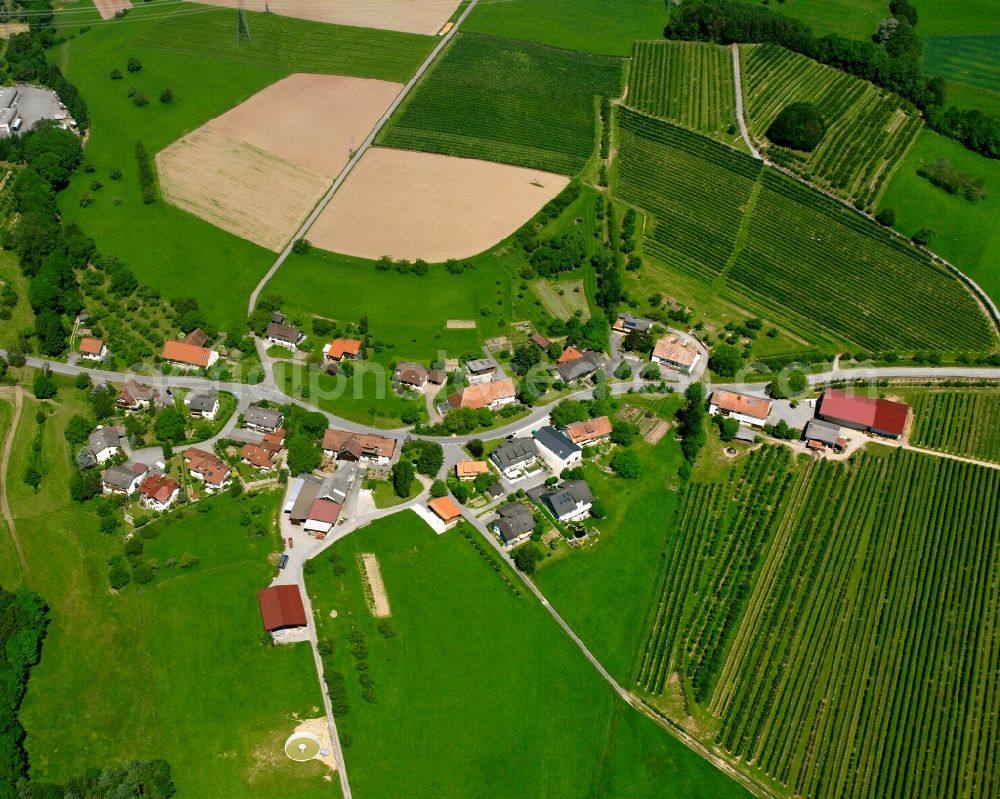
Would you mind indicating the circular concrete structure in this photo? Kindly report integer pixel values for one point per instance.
(302, 746)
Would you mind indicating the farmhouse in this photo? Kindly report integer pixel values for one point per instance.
(411, 374)
(470, 470)
(93, 349)
(674, 353)
(590, 431)
(265, 419)
(482, 370)
(493, 395)
(569, 354)
(744, 408)
(105, 443)
(580, 368)
(188, 356)
(626, 323)
(124, 479)
(207, 467)
(204, 405)
(281, 608)
(257, 456)
(158, 492)
(569, 502)
(446, 510)
(556, 449)
(513, 456)
(880, 416)
(306, 495)
(196, 338)
(134, 396)
(284, 335)
(323, 514)
(345, 446)
(514, 524)
(342, 349)
(819, 434)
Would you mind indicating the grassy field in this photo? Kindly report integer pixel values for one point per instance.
(960, 422)
(855, 645)
(480, 687)
(786, 250)
(856, 19)
(599, 26)
(562, 298)
(508, 101)
(966, 59)
(167, 248)
(21, 316)
(867, 129)
(174, 669)
(968, 234)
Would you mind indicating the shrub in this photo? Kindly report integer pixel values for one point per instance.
(133, 65)
(799, 126)
(166, 96)
(886, 217)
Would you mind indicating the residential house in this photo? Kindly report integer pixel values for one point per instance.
(368, 447)
(742, 407)
(673, 352)
(880, 416)
(580, 368)
(556, 449)
(284, 335)
(281, 608)
(569, 354)
(274, 441)
(514, 524)
(257, 456)
(158, 492)
(188, 356)
(342, 349)
(105, 443)
(124, 479)
(133, 396)
(411, 374)
(204, 405)
(626, 323)
(264, 419)
(493, 395)
(590, 431)
(196, 338)
(481, 370)
(446, 510)
(470, 470)
(207, 467)
(93, 349)
(514, 456)
(495, 491)
(323, 515)
(569, 502)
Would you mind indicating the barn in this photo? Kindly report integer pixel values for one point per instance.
(880, 416)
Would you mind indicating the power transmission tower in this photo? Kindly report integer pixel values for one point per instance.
(242, 26)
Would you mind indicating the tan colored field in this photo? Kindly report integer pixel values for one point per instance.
(108, 8)
(8, 29)
(378, 601)
(411, 16)
(259, 169)
(417, 205)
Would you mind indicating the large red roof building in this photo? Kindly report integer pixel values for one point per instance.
(281, 607)
(880, 416)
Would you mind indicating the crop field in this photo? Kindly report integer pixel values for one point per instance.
(698, 192)
(960, 422)
(508, 101)
(476, 682)
(867, 129)
(855, 644)
(687, 82)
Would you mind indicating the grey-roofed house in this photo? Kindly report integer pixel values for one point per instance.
(481, 370)
(205, 405)
(267, 419)
(826, 433)
(515, 524)
(495, 491)
(556, 449)
(570, 502)
(284, 335)
(626, 323)
(105, 443)
(512, 456)
(581, 367)
(122, 479)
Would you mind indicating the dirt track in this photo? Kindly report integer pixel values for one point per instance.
(4, 463)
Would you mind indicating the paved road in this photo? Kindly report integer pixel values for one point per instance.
(739, 105)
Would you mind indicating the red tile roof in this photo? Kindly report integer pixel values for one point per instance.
(732, 402)
(324, 510)
(158, 487)
(186, 353)
(340, 347)
(471, 468)
(257, 456)
(483, 394)
(588, 430)
(445, 508)
(91, 346)
(569, 354)
(210, 466)
(281, 606)
(880, 415)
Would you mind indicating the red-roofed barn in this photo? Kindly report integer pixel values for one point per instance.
(880, 416)
(281, 607)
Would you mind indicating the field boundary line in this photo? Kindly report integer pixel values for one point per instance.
(8, 445)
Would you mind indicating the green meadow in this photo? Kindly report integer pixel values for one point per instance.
(172, 669)
(479, 692)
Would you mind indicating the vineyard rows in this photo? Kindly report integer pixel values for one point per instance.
(508, 101)
(866, 663)
(963, 423)
(868, 130)
(688, 82)
(697, 190)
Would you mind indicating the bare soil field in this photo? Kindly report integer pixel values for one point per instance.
(257, 170)
(378, 599)
(411, 16)
(108, 8)
(412, 205)
(8, 29)
(461, 324)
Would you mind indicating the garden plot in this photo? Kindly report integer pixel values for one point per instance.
(418, 205)
(378, 598)
(257, 170)
(410, 16)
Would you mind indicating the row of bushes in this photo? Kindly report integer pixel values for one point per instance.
(147, 178)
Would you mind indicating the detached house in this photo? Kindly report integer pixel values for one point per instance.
(134, 396)
(345, 446)
(569, 502)
(626, 323)
(514, 456)
(188, 356)
(284, 335)
(264, 419)
(204, 405)
(514, 524)
(411, 374)
(674, 353)
(124, 479)
(590, 431)
(158, 492)
(742, 407)
(105, 443)
(93, 349)
(207, 467)
(257, 456)
(342, 349)
(556, 449)
(580, 368)
(470, 470)
(493, 395)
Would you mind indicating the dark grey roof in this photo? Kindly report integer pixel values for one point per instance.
(512, 509)
(568, 496)
(537, 492)
(103, 438)
(481, 365)
(639, 323)
(827, 432)
(580, 367)
(262, 417)
(283, 333)
(495, 490)
(580, 490)
(278, 317)
(203, 402)
(556, 442)
(514, 526)
(746, 434)
(514, 451)
(119, 476)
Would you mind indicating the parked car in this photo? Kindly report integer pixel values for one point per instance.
(283, 562)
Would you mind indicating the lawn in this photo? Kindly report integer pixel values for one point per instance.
(562, 298)
(968, 234)
(21, 316)
(384, 495)
(586, 587)
(598, 26)
(174, 669)
(856, 19)
(479, 687)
